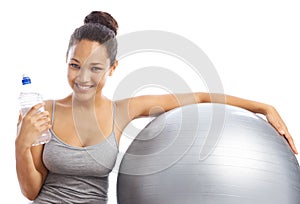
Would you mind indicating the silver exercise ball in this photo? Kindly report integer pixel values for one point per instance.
(209, 154)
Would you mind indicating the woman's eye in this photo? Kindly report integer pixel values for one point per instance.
(75, 66)
(97, 69)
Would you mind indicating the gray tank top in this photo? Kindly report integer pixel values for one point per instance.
(77, 174)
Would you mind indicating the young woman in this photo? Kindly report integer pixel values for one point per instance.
(86, 126)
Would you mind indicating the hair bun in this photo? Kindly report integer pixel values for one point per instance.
(102, 18)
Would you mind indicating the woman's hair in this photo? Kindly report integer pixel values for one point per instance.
(100, 27)
(102, 18)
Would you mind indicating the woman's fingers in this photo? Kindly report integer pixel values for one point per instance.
(274, 118)
(43, 119)
(40, 118)
(32, 125)
(35, 109)
(37, 118)
(290, 140)
(282, 129)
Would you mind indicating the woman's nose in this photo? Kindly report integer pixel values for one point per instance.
(83, 75)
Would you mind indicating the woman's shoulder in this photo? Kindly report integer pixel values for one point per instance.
(131, 101)
(48, 105)
(123, 101)
(65, 102)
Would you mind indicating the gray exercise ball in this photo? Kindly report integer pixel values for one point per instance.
(208, 154)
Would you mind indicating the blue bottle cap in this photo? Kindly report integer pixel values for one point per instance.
(26, 80)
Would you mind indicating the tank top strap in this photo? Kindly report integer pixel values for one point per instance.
(53, 111)
(114, 114)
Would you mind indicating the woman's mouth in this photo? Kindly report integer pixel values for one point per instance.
(83, 87)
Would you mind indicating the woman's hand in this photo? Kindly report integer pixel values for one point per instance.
(274, 119)
(31, 126)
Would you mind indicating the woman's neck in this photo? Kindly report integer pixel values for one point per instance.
(87, 105)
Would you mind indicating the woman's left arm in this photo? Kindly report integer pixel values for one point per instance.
(148, 105)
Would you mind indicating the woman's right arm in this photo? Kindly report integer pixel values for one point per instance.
(31, 171)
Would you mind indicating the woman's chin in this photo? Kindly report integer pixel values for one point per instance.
(83, 97)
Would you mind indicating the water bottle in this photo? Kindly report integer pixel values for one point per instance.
(28, 98)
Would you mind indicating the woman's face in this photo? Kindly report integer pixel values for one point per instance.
(88, 67)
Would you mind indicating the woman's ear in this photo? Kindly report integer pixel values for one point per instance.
(113, 67)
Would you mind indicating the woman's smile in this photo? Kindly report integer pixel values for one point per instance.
(83, 87)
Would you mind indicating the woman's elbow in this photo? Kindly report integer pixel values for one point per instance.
(30, 194)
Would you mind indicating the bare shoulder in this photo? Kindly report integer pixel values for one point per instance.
(123, 105)
(48, 105)
(123, 115)
(129, 108)
(133, 101)
(133, 107)
(64, 102)
(120, 103)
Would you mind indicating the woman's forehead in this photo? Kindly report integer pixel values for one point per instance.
(86, 50)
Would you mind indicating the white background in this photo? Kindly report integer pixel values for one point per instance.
(254, 46)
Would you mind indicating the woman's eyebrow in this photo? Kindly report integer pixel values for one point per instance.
(76, 60)
(96, 63)
(92, 63)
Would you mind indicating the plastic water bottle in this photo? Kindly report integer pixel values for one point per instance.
(28, 98)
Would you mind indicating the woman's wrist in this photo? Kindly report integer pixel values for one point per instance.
(21, 146)
(264, 109)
